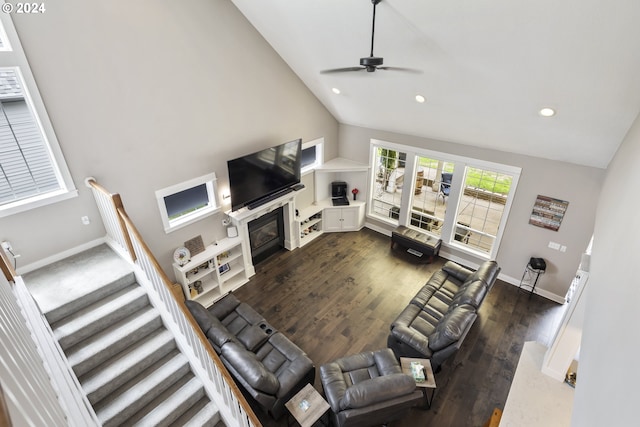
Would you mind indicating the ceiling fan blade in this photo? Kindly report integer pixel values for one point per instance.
(342, 70)
(403, 69)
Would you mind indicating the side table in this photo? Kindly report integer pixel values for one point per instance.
(307, 406)
(429, 381)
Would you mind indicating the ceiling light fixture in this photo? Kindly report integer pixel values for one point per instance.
(421, 99)
(547, 112)
(335, 90)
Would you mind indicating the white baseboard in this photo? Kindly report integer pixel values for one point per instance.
(539, 291)
(59, 256)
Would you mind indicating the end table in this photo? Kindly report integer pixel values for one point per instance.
(429, 381)
(307, 406)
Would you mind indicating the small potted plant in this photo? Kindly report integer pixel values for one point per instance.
(355, 192)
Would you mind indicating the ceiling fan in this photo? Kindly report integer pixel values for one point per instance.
(370, 63)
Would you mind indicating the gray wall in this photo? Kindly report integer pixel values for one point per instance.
(147, 94)
(579, 185)
(607, 386)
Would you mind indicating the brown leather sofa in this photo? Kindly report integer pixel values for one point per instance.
(438, 318)
(264, 362)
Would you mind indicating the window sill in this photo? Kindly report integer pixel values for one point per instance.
(190, 219)
(36, 202)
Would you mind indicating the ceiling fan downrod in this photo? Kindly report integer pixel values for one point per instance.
(372, 62)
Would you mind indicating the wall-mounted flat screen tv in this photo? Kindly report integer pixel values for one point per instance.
(258, 176)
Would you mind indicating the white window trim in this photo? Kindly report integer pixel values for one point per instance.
(213, 207)
(13, 56)
(461, 163)
(319, 144)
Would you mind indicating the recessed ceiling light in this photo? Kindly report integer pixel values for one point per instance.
(547, 112)
(420, 99)
(335, 90)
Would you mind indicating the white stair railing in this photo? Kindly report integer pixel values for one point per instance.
(36, 380)
(234, 409)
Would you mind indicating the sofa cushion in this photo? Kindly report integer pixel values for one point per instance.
(451, 327)
(252, 371)
(376, 390)
(472, 293)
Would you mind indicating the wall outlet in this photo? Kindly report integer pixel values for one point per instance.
(6, 245)
(563, 249)
(85, 220)
(554, 246)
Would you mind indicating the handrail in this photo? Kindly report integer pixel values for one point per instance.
(217, 374)
(117, 229)
(6, 267)
(189, 317)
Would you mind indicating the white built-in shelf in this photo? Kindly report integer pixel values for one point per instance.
(220, 270)
(340, 164)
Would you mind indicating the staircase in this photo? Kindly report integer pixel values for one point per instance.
(126, 361)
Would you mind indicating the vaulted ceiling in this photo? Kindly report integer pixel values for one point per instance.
(486, 68)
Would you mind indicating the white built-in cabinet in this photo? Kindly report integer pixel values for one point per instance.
(213, 273)
(344, 218)
(321, 216)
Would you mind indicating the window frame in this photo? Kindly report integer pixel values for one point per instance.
(461, 163)
(211, 208)
(12, 56)
(319, 144)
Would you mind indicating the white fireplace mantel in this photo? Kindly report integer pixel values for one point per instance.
(242, 217)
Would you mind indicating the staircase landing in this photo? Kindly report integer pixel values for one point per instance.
(62, 282)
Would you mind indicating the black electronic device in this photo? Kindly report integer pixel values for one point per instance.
(338, 189)
(256, 178)
(339, 193)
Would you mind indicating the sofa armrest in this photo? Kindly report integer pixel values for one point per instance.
(456, 270)
(412, 338)
(376, 390)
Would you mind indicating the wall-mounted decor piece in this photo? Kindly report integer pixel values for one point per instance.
(195, 245)
(548, 212)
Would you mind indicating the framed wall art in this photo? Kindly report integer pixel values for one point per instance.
(548, 212)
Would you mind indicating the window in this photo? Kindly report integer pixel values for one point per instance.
(482, 204)
(188, 202)
(32, 169)
(388, 167)
(312, 155)
(431, 194)
(463, 201)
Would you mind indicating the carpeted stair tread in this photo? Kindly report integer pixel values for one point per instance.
(95, 317)
(171, 404)
(107, 377)
(203, 413)
(141, 390)
(95, 350)
(89, 298)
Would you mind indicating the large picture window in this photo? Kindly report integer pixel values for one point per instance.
(32, 169)
(463, 201)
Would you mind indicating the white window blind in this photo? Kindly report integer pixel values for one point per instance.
(26, 169)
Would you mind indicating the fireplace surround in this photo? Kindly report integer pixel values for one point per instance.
(266, 235)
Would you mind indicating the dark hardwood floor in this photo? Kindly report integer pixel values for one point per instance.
(338, 295)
